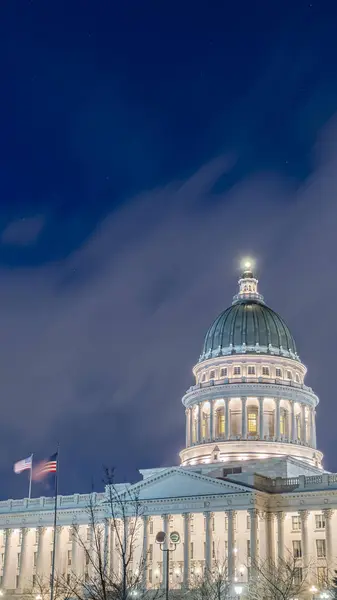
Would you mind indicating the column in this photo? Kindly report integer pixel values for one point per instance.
(211, 420)
(145, 551)
(41, 551)
(280, 535)
(253, 539)
(270, 538)
(187, 416)
(261, 428)
(106, 545)
(231, 555)
(23, 559)
(208, 535)
(314, 429)
(166, 519)
(328, 534)
(199, 421)
(74, 549)
(58, 550)
(303, 428)
(227, 429)
(244, 417)
(304, 536)
(293, 423)
(187, 545)
(6, 569)
(278, 417)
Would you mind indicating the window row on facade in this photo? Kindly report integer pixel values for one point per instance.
(253, 371)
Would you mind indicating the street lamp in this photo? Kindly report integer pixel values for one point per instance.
(313, 590)
(175, 540)
(238, 590)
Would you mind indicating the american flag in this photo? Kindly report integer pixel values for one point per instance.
(23, 465)
(45, 467)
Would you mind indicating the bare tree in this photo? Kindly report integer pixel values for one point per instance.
(40, 589)
(283, 580)
(121, 512)
(211, 583)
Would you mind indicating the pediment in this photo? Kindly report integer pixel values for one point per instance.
(178, 483)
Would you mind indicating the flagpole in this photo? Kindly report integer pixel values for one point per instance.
(30, 478)
(55, 520)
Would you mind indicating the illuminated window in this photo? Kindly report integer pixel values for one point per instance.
(278, 373)
(194, 428)
(265, 371)
(237, 371)
(251, 370)
(289, 375)
(321, 576)
(223, 372)
(295, 523)
(212, 374)
(252, 422)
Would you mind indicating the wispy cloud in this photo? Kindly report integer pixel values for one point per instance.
(22, 232)
(97, 351)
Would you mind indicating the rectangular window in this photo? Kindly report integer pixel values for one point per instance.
(88, 534)
(191, 551)
(297, 549)
(151, 552)
(298, 576)
(289, 375)
(226, 523)
(34, 580)
(321, 576)
(248, 548)
(320, 521)
(320, 547)
(226, 549)
(223, 372)
(213, 549)
(20, 537)
(265, 371)
(36, 536)
(19, 560)
(251, 370)
(278, 373)
(192, 525)
(70, 534)
(69, 558)
(68, 578)
(296, 523)
(252, 422)
(17, 581)
(87, 558)
(212, 374)
(150, 575)
(248, 521)
(35, 559)
(237, 371)
(151, 527)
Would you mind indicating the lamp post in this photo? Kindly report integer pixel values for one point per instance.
(313, 590)
(175, 540)
(238, 590)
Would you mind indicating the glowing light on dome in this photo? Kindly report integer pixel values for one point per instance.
(247, 264)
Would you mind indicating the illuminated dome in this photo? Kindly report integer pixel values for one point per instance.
(248, 326)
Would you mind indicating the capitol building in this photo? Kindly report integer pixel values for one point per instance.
(250, 483)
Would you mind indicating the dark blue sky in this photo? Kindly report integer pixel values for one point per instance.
(131, 132)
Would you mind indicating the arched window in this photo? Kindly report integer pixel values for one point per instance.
(220, 422)
(203, 378)
(252, 421)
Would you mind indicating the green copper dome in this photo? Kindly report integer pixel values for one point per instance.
(248, 326)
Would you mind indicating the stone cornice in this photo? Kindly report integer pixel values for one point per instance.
(236, 390)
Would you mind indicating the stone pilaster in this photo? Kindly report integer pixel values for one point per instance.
(7, 565)
(145, 550)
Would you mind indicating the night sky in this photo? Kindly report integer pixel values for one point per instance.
(145, 147)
